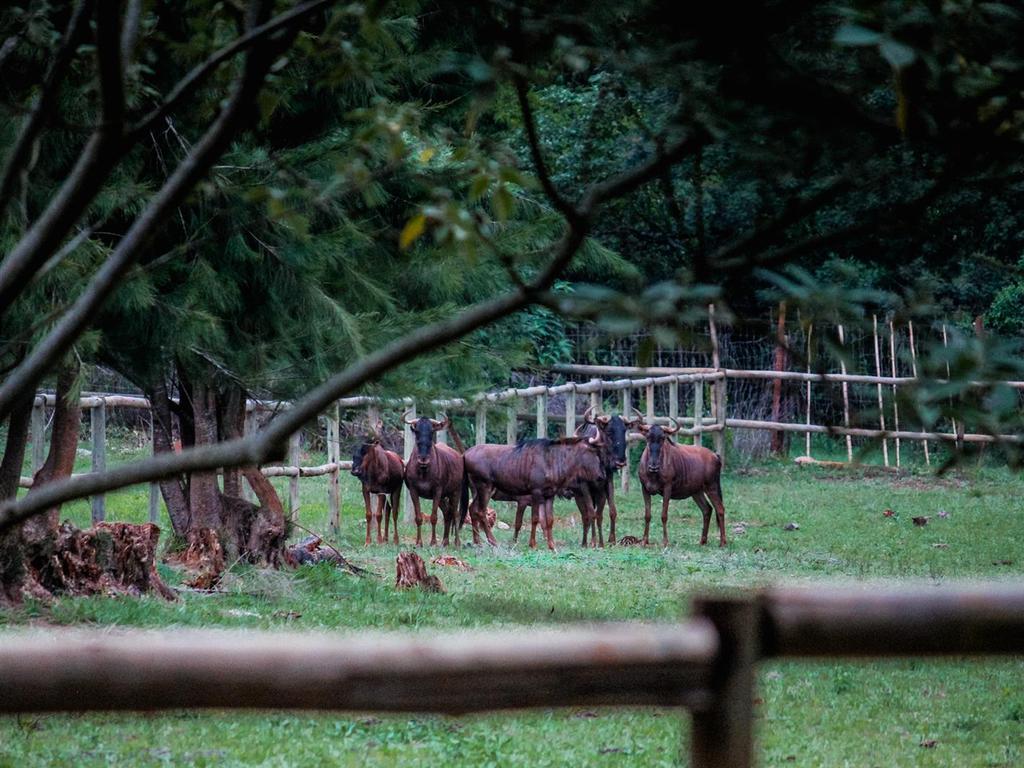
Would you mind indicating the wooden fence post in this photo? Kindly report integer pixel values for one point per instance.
(481, 424)
(294, 459)
(38, 433)
(881, 406)
(442, 434)
(913, 368)
(249, 428)
(98, 423)
(698, 412)
(720, 417)
(596, 397)
(570, 411)
(723, 732)
(334, 479)
(807, 436)
(511, 427)
(627, 414)
(542, 415)
(718, 388)
(778, 439)
(846, 397)
(673, 398)
(154, 488)
(649, 397)
(895, 403)
(957, 430)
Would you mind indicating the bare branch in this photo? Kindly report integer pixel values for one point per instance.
(130, 30)
(105, 281)
(198, 74)
(47, 100)
(529, 125)
(269, 443)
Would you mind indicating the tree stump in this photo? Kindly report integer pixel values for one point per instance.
(412, 572)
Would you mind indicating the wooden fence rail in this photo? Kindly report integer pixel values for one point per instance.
(706, 664)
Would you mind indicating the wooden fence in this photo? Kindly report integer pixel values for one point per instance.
(707, 664)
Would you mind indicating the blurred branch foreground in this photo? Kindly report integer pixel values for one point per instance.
(706, 664)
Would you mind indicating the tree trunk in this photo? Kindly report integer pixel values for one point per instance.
(204, 492)
(174, 489)
(231, 416)
(12, 557)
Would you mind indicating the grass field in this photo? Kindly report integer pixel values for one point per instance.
(810, 714)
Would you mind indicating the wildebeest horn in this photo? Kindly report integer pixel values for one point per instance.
(407, 420)
(602, 420)
(639, 416)
(442, 424)
(588, 415)
(671, 430)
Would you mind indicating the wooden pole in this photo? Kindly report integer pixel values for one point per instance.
(596, 396)
(957, 429)
(408, 446)
(673, 400)
(249, 428)
(542, 414)
(480, 422)
(881, 406)
(718, 388)
(570, 412)
(38, 434)
(511, 427)
(846, 397)
(334, 479)
(913, 369)
(295, 460)
(723, 732)
(779, 364)
(442, 434)
(98, 424)
(895, 403)
(154, 488)
(626, 396)
(698, 412)
(807, 437)
(649, 397)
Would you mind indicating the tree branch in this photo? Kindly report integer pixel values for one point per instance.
(198, 74)
(270, 442)
(213, 143)
(47, 100)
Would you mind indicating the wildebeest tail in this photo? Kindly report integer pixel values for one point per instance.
(464, 499)
(458, 441)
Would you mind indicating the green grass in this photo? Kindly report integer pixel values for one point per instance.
(856, 714)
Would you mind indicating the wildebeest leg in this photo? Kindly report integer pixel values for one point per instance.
(418, 515)
(479, 514)
(582, 506)
(520, 507)
(396, 503)
(378, 516)
(433, 520)
(665, 501)
(705, 510)
(535, 517)
(715, 494)
(369, 513)
(647, 516)
(549, 522)
(387, 515)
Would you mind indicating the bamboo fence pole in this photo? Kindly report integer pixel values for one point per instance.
(649, 396)
(881, 406)
(895, 403)
(626, 396)
(807, 437)
(913, 369)
(542, 414)
(673, 400)
(38, 429)
(442, 434)
(511, 434)
(718, 388)
(698, 413)
(846, 396)
(480, 424)
(570, 412)
(409, 444)
(294, 458)
(597, 395)
(945, 346)
(334, 481)
(98, 423)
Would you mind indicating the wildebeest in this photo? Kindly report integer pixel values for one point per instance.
(678, 472)
(380, 471)
(612, 450)
(534, 472)
(435, 471)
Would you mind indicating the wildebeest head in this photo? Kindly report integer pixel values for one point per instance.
(612, 430)
(358, 454)
(656, 438)
(423, 430)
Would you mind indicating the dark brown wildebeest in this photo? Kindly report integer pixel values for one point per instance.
(435, 471)
(678, 472)
(380, 472)
(534, 472)
(612, 450)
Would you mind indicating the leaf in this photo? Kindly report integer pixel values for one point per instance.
(856, 35)
(896, 53)
(412, 230)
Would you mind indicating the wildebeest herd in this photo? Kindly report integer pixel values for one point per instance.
(533, 473)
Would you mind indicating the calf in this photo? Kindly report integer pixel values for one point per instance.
(534, 472)
(679, 472)
(435, 471)
(380, 472)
